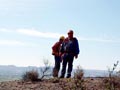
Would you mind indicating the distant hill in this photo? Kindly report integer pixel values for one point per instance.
(10, 72)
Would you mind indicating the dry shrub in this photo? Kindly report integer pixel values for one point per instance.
(45, 71)
(30, 75)
(75, 83)
(78, 74)
(112, 82)
(78, 79)
(116, 81)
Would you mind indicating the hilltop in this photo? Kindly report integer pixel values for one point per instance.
(34, 82)
(53, 84)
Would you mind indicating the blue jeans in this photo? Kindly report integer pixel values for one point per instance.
(67, 59)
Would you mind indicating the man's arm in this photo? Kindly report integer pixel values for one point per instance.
(77, 50)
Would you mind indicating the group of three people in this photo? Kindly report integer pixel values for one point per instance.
(65, 50)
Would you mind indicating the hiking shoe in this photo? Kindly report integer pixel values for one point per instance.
(61, 76)
(55, 72)
(68, 76)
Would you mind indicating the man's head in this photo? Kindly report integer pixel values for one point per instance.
(70, 34)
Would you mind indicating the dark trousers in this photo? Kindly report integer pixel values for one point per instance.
(57, 66)
(57, 62)
(67, 59)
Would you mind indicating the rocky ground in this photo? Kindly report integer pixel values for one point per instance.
(55, 84)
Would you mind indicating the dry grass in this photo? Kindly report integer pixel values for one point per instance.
(112, 82)
(79, 79)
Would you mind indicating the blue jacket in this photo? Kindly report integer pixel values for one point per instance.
(70, 46)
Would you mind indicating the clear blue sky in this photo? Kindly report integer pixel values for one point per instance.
(29, 28)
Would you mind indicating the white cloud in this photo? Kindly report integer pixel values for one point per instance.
(33, 32)
(16, 43)
(11, 43)
(5, 30)
(36, 33)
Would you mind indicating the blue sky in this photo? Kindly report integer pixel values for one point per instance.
(29, 28)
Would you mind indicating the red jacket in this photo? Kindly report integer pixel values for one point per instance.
(56, 49)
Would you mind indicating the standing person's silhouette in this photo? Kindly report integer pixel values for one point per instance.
(57, 57)
(69, 50)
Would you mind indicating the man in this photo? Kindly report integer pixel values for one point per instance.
(55, 52)
(69, 50)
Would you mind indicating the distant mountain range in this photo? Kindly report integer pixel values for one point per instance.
(11, 72)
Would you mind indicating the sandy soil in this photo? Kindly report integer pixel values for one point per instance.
(55, 84)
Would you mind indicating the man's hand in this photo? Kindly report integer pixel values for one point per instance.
(76, 56)
(60, 54)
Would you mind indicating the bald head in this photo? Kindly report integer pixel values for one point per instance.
(70, 34)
